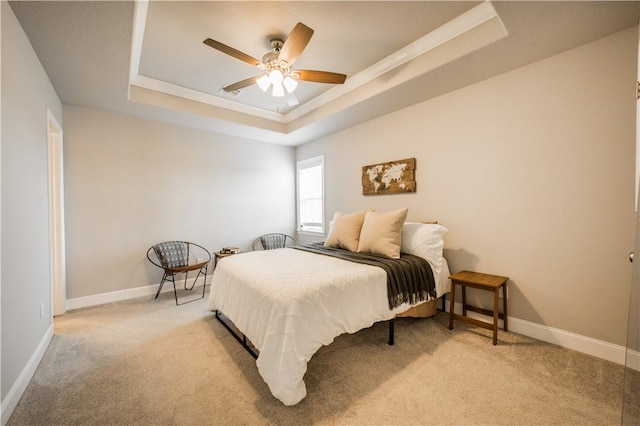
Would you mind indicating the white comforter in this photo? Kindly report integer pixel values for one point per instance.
(290, 302)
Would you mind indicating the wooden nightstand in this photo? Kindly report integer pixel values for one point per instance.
(483, 282)
(219, 255)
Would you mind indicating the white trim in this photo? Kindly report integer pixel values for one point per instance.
(55, 175)
(458, 26)
(140, 9)
(443, 34)
(567, 339)
(633, 359)
(126, 294)
(304, 164)
(2, 410)
(195, 95)
(10, 402)
(598, 348)
(310, 233)
(563, 338)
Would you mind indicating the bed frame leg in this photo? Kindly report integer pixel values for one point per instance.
(242, 340)
(392, 322)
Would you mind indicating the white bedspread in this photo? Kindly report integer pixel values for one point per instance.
(289, 303)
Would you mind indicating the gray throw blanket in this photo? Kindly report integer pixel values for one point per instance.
(409, 279)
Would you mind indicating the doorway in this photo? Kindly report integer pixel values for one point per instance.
(56, 217)
(631, 382)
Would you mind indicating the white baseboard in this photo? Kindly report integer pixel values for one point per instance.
(566, 339)
(10, 402)
(129, 293)
(633, 359)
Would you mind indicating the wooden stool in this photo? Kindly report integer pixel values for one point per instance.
(483, 282)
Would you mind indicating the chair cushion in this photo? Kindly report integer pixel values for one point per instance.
(172, 254)
(273, 241)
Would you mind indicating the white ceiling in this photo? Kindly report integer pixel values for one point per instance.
(148, 59)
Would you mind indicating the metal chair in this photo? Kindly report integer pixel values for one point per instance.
(173, 258)
(273, 241)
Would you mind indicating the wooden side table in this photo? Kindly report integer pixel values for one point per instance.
(219, 255)
(483, 282)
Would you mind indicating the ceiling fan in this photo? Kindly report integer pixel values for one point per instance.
(277, 64)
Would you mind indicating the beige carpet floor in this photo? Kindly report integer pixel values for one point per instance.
(146, 362)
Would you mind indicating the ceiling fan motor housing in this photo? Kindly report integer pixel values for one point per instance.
(270, 60)
(276, 44)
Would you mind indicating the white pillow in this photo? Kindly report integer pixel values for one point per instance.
(345, 230)
(382, 233)
(424, 240)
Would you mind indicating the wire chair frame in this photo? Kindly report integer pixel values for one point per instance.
(273, 241)
(173, 258)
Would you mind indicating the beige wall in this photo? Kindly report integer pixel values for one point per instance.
(26, 96)
(533, 173)
(130, 183)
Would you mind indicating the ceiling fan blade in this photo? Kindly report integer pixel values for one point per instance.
(232, 52)
(319, 76)
(295, 43)
(241, 84)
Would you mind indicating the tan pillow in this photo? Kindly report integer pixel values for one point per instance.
(345, 233)
(382, 233)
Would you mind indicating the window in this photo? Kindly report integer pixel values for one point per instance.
(311, 195)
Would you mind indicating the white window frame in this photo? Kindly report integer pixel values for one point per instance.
(304, 164)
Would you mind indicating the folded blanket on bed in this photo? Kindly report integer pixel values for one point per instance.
(409, 279)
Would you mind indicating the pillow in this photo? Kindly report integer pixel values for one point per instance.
(424, 240)
(382, 233)
(345, 232)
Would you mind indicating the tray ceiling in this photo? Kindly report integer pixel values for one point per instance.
(147, 58)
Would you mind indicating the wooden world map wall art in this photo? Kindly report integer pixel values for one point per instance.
(394, 177)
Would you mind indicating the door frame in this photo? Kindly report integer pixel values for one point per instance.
(57, 268)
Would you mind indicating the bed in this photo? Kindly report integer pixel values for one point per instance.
(290, 302)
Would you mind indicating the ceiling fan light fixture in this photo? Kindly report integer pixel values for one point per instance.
(264, 82)
(290, 84)
(276, 77)
(278, 90)
(276, 64)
